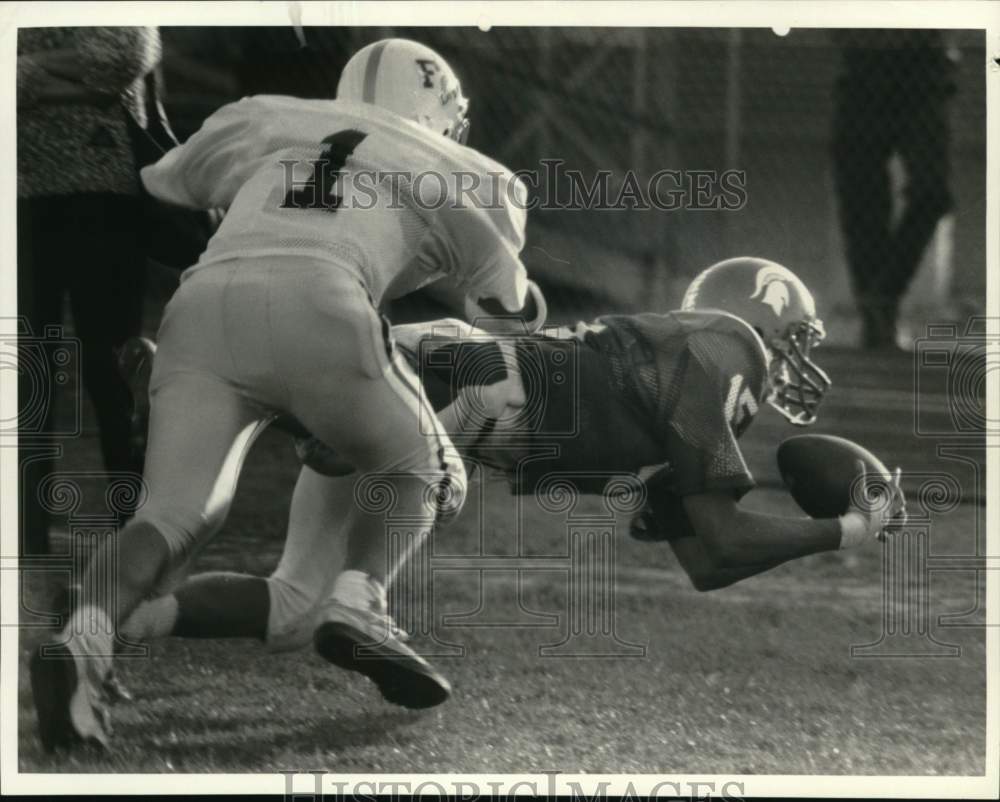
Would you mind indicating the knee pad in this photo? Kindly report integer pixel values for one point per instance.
(292, 616)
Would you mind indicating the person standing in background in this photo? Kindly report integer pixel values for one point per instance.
(891, 98)
(80, 225)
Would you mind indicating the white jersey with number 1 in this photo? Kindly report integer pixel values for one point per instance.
(350, 183)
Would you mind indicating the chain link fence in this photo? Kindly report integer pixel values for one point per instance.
(827, 132)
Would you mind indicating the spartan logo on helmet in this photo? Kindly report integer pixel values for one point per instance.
(771, 283)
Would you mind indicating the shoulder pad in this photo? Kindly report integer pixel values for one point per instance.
(748, 354)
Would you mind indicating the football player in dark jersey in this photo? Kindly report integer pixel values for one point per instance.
(663, 397)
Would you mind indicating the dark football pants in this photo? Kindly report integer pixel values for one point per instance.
(88, 247)
(882, 258)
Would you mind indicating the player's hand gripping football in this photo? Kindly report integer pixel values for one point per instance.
(876, 506)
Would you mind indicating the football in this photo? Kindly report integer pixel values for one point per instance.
(819, 469)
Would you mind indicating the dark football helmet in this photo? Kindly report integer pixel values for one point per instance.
(779, 307)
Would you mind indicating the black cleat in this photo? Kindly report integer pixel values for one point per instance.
(357, 640)
(69, 711)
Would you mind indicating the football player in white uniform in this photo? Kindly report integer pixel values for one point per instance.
(333, 207)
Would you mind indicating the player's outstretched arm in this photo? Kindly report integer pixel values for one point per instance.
(734, 537)
(732, 543)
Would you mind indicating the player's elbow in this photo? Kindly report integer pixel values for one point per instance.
(162, 181)
(703, 570)
(702, 584)
(710, 579)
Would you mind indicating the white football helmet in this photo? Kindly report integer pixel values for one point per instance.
(411, 80)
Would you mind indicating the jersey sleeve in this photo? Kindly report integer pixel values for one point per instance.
(719, 394)
(208, 170)
(500, 275)
(480, 230)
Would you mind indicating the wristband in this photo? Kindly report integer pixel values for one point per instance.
(853, 529)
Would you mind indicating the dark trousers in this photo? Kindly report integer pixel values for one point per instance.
(89, 248)
(883, 258)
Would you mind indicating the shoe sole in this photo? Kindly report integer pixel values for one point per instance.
(401, 679)
(53, 683)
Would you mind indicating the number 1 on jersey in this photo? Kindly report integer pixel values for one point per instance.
(319, 191)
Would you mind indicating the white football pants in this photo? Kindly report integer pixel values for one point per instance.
(246, 339)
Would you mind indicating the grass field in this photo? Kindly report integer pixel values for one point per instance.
(757, 678)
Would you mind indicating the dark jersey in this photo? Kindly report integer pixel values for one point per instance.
(673, 390)
(626, 392)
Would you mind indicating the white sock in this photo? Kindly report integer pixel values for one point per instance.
(152, 619)
(359, 590)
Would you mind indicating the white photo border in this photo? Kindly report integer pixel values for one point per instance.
(775, 14)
